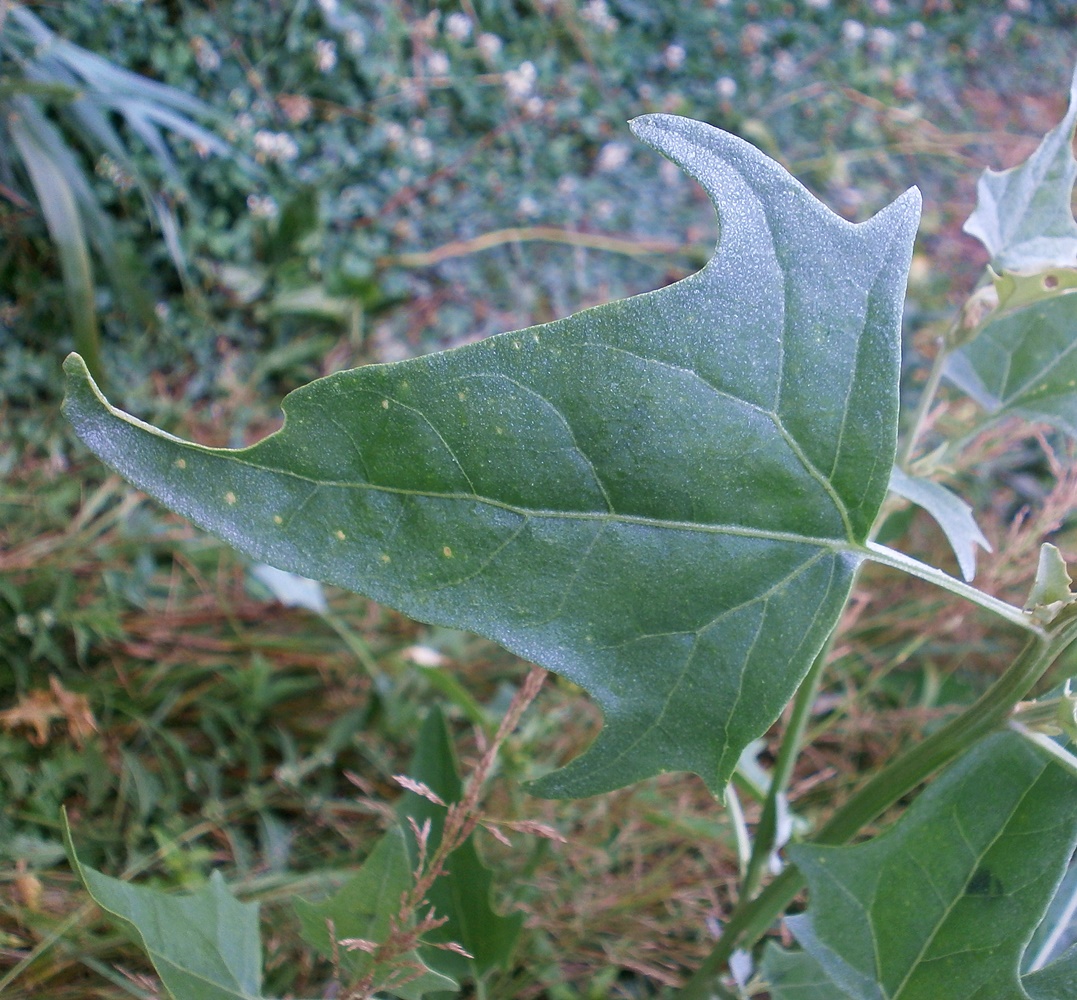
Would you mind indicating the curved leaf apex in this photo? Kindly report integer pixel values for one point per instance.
(714, 158)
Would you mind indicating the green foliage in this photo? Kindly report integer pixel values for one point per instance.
(87, 91)
(451, 503)
(204, 945)
(364, 910)
(945, 902)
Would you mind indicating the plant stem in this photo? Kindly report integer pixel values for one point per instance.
(752, 918)
(923, 406)
(765, 833)
(899, 560)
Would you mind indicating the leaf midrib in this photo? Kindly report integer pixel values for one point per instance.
(603, 516)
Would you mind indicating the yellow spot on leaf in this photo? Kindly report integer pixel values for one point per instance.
(385, 558)
(229, 497)
(447, 552)
(181, 463)
(461, 396)
(385, 404)
(340, 534)
(277, 519)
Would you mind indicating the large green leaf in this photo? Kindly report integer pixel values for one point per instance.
(204, 945)
(1024, 215)
(945, 903)
(663, 499)
(1025, 363)
(364, 908)
(462, 894)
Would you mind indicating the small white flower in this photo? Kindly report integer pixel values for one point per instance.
(458, 26)
(276, 147)
(261, 207)
(881, 40)
(916, 30)
(520, 83)
(437, 63)
(354, 41)
(612, 156)
(597, 13)
(329, 7)
(852, 32)
(205, 55)
(489, 46)
(421, 148)
(325, 55)
(726, 87)
(784, 67)
(674, 57)
(528, 207)
(881, 7)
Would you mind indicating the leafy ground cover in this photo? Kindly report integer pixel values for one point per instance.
(418, 187)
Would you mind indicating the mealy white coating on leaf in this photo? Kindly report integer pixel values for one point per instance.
(663, 498)
(1024, 215)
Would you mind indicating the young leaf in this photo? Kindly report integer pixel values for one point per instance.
(462, 894)
(944, 904)
(663, 499)
(1024, 362)
(204, 944)
(364, 909)
(953, 515)
(1053, 584)
(1024, 215)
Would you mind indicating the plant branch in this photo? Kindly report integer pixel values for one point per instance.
(899, 560)
(765, 840)
(752, 918)
(923, 406)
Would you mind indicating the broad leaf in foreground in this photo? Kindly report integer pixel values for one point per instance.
(945, 903)
(664, 498)
(462, 894)
(1024, 215)
(364, 909)
(204, 944)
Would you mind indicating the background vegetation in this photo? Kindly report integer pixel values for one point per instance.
(387, 179)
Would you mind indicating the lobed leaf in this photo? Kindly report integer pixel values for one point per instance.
(204, 944)
(1024, 215)
(945, 903)
(664, 498)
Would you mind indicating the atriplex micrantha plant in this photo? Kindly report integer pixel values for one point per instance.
(666, 499)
